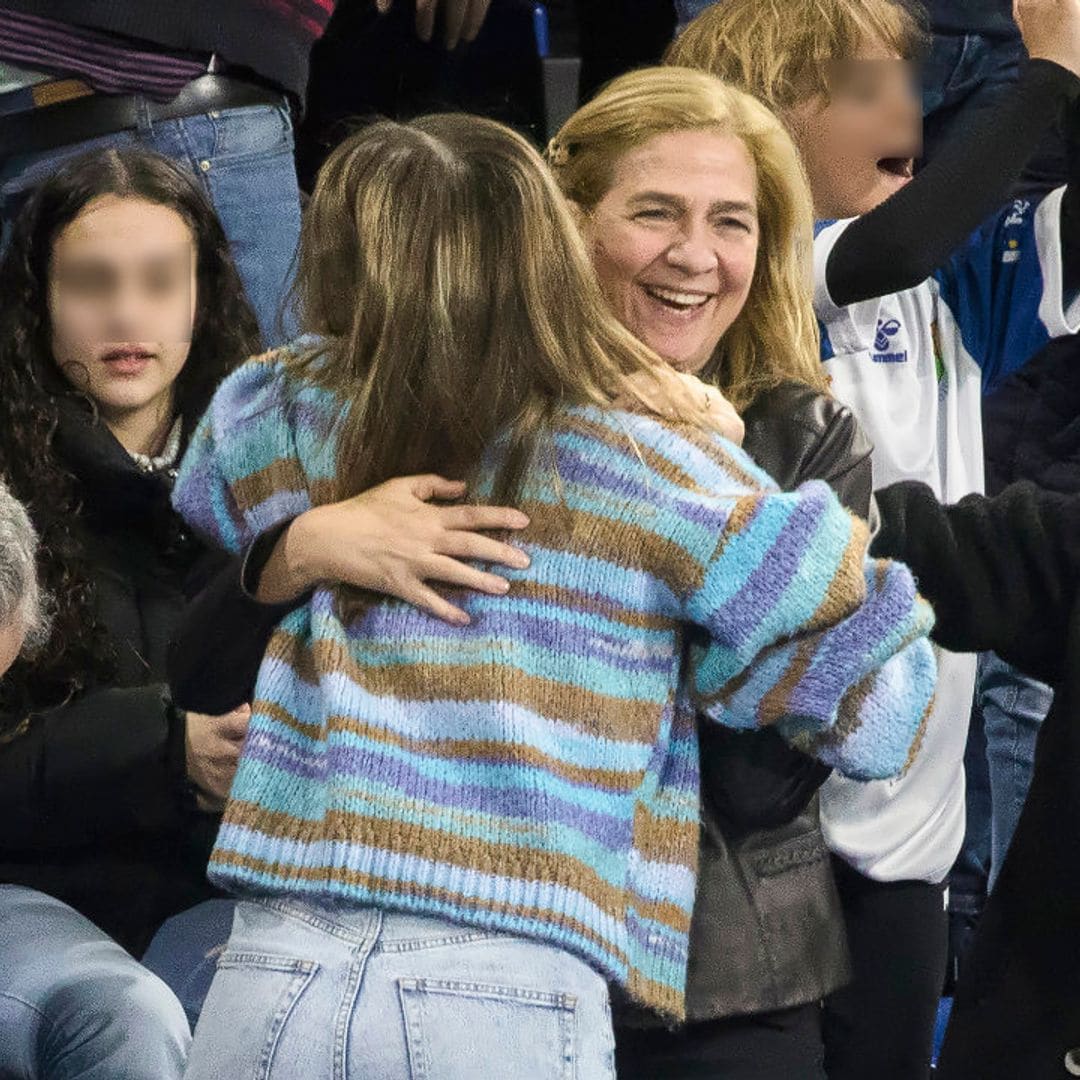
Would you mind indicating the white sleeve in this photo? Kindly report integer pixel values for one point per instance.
(1058, 317)
(847, 329)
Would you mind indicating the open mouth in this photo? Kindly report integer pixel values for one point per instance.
(676, 299)
(897, 166)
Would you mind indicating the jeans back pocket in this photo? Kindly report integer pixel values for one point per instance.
(467, 1030)
(249, 1002)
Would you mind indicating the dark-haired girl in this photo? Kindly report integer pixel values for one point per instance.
(120, 311)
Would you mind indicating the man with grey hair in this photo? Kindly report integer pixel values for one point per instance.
(136, 1028)
(24, 624)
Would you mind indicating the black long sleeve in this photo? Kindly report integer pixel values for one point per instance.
(1001, 573)
(910, 235)
(108, 764)
(222, 636)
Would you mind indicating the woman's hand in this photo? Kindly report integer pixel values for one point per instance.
(692, 394)
(393, 540)
(212, 747)
(463, 18)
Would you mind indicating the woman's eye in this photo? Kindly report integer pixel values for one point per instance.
(739, 224)
(161, 284)
(89, 285)
(653, 215)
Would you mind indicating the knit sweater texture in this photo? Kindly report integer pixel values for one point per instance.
(536, 772)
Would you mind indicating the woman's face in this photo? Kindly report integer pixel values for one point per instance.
(675, 241)
(122, 305)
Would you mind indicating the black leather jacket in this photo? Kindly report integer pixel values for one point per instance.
(767, 930)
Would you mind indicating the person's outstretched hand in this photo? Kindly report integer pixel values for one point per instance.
(462, 19)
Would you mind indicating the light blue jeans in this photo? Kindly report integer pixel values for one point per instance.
(324, 991)
(1014, 706)
(243, 158)
(74, 1005)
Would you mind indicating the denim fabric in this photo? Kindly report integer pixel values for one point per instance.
(321, 991)
(74, 1005)
(185, 950)
(244, 161)
(1009, 710)
(1014, 706)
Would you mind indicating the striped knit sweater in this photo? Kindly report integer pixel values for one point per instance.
(536, 771)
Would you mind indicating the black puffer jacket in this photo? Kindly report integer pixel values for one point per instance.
(93, 807)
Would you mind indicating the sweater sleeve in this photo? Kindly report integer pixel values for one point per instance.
(241, 474)
(809, 635)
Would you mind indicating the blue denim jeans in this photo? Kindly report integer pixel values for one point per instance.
(74, 1005)
(243, 159)
(1014, 706)
(185, 951)
(317, 990)
(1009, 710)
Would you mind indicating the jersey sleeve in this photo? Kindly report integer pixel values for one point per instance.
(1005, 287)
(844, 328)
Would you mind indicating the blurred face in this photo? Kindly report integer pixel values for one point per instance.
(11, 642)
(860, 147)
(122, 306)
(675, 241)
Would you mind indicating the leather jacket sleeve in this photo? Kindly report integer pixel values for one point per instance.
(754, 780)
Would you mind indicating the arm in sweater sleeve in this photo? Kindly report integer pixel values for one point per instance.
(107, 765)
(901, 242)
(1001, 573)
(754, 779)
(810, 636)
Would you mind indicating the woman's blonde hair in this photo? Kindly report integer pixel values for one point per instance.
(455, 301)
(775, 336)
(782, 51)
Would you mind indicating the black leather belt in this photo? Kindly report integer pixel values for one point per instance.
(70, 122)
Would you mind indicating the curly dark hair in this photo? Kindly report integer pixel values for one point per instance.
(78, 652)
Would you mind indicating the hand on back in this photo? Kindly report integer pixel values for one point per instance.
(693, 395)
(396, 538)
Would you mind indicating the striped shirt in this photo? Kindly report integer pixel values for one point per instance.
(536, 771)
(106, 62)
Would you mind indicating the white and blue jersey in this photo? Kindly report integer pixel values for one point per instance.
(913, 367)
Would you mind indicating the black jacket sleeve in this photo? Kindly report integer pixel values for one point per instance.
(1001, 573)
(910, 235)
(223, 633)
(754, 780)
(107, 765)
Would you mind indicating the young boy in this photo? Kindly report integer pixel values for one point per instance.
(919, 315)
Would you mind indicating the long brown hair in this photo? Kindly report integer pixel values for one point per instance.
(455, 300)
